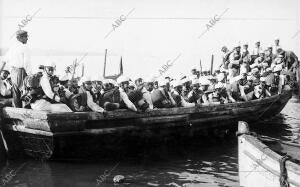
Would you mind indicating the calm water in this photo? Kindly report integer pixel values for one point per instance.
(192, 164)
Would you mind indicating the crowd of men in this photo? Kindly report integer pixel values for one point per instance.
(242, 76)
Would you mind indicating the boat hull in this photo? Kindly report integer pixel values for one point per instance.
(260, 166)
(48, 135)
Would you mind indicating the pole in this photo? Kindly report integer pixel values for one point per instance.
(212, 64)
(104, 63)
(200, 66)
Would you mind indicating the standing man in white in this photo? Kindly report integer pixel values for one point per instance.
(18, 58)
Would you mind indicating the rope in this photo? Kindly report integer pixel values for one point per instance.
(283, 173)
(268, 107)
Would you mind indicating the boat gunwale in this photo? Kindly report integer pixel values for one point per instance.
(125, 114)
(291, 166)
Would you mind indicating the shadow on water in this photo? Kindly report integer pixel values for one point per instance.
(185, 163)
(193, 161)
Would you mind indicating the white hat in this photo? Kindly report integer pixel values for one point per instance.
(195, 81)
(49, 63)
(254, 70)
(193, 77)
(254, 65)
(277, 68)
(243, 71)
(262, 79)
(184, 80)
(64, 78)
(220, 77)
(162, 82)
(269, 69)
(219, 85)
(131, 84)
(264, 64)
(123, 78)
(85, 79)
(210, 77)
(204, 81)
(176, 83)
(110, 81)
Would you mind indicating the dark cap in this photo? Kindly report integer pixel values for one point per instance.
(20, 33)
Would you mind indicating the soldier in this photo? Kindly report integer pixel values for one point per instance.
(195, 94)
(176, 94)
(161, 97)
(18, 58)
(86, 95)
(46, 99)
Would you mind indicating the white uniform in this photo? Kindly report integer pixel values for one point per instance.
(44, 105)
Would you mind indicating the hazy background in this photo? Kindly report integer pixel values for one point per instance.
(156, 31)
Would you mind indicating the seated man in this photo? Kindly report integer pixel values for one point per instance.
(97, 88)
(6, 85)
(115, 96)
(186, 87)
(195, 94)
(278, 80)
(136, 93)
(221, 78)
(261, 91)
(219, 95)
(87, 102)
(161, 97)
(176, 94)
(147, 87)
(235, 61)
(5, 89)
(47, 100)
(204, 88)
(245, 87)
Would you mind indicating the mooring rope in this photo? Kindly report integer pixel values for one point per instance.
(283, 173)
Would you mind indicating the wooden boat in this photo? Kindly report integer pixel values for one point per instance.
(263, 161)
(45, 135)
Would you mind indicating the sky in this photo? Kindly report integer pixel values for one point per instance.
(153, 33)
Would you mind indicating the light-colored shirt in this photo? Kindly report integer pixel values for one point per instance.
(92, 105)
(18, 56)
(275, 47)
(256, 50)
(126, 100)
(147, 97)
(5, 90)
(45, 84)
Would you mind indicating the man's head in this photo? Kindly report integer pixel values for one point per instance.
(87, 83)
(238, 49)
(139, 82)
(194, 71)
(204, 84)
(261, 54)
(257, 44)
(224, 49)
(49, 70)
(123, 82)
(149, 86)
(195, 84)
(4, 74)
(22, 36)
(108, 84)
(276, 41)
(263, 81)
(245, 47)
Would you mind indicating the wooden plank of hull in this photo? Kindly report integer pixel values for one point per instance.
(78, 122)
(23, 114)
(260, 166)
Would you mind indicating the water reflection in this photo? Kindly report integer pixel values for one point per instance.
(196, 162)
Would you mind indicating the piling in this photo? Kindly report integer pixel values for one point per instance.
(3, 147)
